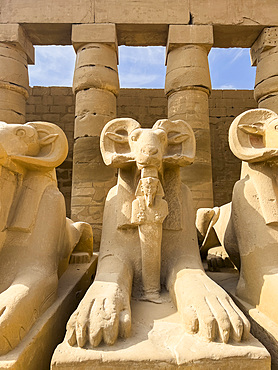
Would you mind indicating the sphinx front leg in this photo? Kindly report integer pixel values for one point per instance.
(104, 313)
(207, 309)
(21, 304)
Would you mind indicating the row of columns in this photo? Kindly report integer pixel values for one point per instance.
(96, 86)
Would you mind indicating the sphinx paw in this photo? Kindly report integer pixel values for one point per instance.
(104, 315)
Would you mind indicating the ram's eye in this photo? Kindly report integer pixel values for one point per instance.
(20, 132)
(133, 138)
(276, 127)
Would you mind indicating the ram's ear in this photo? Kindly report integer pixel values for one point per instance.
(117, 138)
(181, 147)
(253, 129)
(48, 139)
(177, 138)
(246, 135)
(53, 146)
(114, 144)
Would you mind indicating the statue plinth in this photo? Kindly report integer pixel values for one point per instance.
(158, 339)
(262, 326)
(35, 350)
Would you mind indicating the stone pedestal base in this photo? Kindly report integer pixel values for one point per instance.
(157, 341)
(261, 326)
(35, 350)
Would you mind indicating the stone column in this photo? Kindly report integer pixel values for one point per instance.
(96, 86)
(188, 87)
(16, 51)
(264, 55)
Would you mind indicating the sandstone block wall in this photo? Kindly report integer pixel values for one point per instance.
(144, 105)
(224, 106)
(56, 104)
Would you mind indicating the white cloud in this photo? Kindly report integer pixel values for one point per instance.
(236, 54)
(227, 87)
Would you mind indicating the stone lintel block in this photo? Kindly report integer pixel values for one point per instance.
(180, 35)
(15, 34)
(94, 33)
(35, 350)
(268, 39)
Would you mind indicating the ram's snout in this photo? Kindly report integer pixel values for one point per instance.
(149, 148)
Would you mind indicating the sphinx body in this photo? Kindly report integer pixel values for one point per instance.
(248, 226)
(36, 238)
(133, 238)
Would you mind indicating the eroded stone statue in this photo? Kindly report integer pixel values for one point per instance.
(139, 255)
(248, 226)
(36, 239)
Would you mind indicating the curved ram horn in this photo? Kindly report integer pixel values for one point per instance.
(114, 145)
(53, 147)
(247, 135)
(181, 142)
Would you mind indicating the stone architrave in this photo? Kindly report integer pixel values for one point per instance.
(141, 257)
(187, 87)
(36, 238)
(16, 51)
(96, 86)
(264, 55)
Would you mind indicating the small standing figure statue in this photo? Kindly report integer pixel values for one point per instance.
(148, 212)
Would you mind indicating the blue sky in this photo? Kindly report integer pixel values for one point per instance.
(143, 67)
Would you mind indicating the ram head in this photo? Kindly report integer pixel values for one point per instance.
(124, 142)
(253, 136)
(34, 146)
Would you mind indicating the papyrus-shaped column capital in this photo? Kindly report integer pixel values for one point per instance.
(264, 55)
(186, 58)
(15, 35)
(97, 57)
(16, 52)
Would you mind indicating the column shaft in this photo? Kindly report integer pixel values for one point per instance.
(187, 88)
(96, 86)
